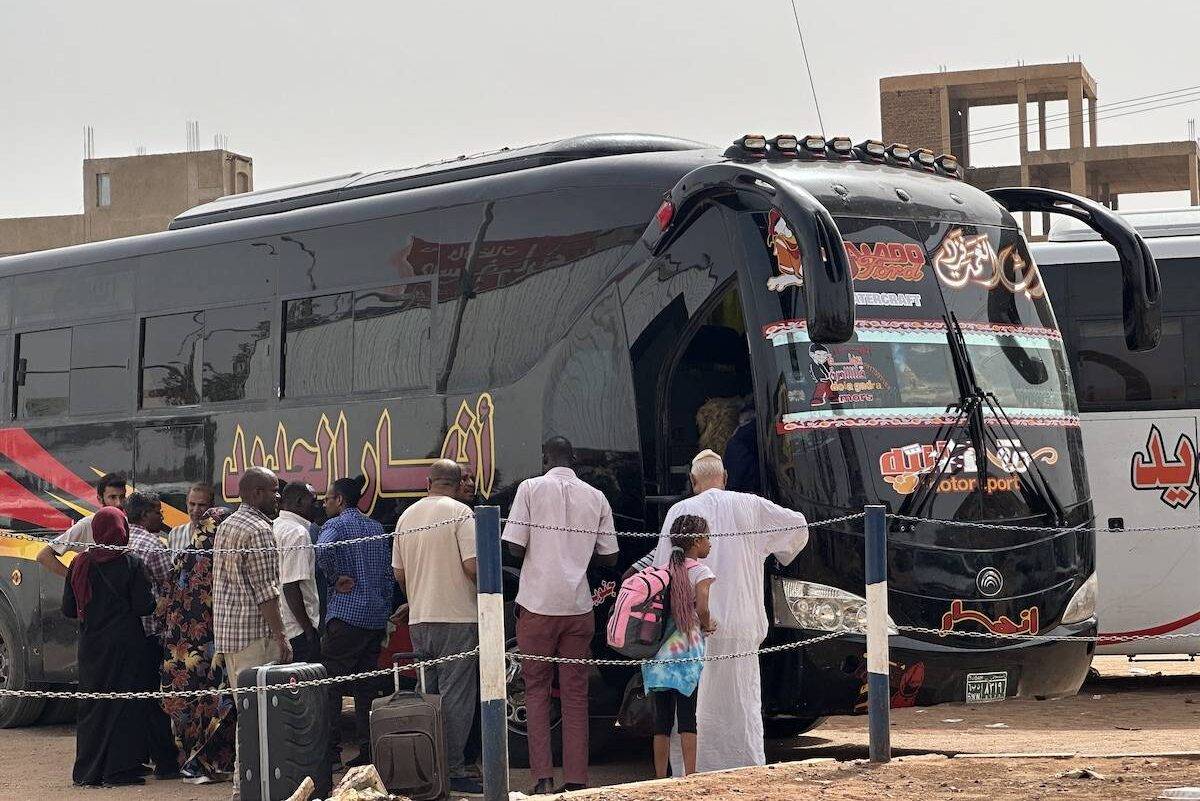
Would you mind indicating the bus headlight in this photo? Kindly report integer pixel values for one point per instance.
(1083, 603)
(808, 605)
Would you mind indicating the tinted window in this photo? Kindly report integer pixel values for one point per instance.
(90, 290)
(1109, 376)
(237, 353)
(43, 373)
(318, 344)
(99, 368)
(171, 360)
(391, 337)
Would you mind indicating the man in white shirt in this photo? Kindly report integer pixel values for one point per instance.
(729, 705)
(110, 491)
(300, 610)
(555, 603)
(200, 499)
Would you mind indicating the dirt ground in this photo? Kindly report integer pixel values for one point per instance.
(1130, 709)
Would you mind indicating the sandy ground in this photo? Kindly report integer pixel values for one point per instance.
(1130, 709)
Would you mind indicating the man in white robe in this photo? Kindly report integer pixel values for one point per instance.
(729, 708)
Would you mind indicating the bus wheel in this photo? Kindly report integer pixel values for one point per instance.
(14, 712)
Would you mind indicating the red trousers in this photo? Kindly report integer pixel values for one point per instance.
(569, 636)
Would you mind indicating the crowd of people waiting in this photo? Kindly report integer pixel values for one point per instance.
(168, 612)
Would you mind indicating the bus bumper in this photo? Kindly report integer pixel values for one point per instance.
(832, 674)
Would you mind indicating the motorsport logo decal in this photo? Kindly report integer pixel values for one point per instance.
(886, 261)
(469, 441)
(905, 466)
(1154, 470)
(970, 259)
(786, 250)
(1027, 623)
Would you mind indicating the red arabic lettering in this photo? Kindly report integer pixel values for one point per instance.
(1002, 625)
(1155, 471)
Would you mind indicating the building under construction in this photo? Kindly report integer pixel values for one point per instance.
(933, 110)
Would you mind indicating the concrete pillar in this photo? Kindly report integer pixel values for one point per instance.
(1075, 114)
(1194, 179)
(944, 110)
(1079, 177)
(1041, 125)
(1023, 118)
(1092, 122)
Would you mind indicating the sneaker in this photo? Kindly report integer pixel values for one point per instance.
(543, 787)
(465, 786)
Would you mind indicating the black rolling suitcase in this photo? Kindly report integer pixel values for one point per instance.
(283, 733)
(408, 741)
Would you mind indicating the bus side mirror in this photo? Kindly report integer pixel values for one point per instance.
(1141, 292)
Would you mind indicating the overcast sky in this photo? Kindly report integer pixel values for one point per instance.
(311, 89)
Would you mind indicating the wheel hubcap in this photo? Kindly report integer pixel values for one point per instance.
(5, 666)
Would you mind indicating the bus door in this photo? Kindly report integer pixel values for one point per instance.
(1142, 469)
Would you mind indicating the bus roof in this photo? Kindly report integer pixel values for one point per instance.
(1169, 233)
(360, 184)
(1149, 223)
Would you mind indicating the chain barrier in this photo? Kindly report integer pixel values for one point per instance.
(1042, 529)
(657, 534)
(151, 695)
(771, 649)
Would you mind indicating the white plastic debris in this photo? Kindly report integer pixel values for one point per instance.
(1081, 773)
(952, 720)
(996, 726)
(1181, 793)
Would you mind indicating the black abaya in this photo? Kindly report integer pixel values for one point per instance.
(110, 739)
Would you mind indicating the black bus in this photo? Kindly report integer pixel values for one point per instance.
(634, 294)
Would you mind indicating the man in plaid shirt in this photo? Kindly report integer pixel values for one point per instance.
(247, 626)
(360, 603)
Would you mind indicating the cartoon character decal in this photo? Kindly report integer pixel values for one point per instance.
(905, 681)
(786, 250)
(1176, 477)
(822, 375)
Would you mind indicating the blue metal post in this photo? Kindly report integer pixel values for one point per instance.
(492, 672)
(878, 667)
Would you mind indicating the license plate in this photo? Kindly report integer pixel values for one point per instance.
(984, 687)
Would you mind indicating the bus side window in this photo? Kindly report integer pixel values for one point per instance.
(80, 370)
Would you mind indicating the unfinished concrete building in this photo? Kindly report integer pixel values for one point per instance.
(933, 110)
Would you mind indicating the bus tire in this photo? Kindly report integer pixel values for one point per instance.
(14, 712)
(59, 712)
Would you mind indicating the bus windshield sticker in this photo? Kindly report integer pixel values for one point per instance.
(469, 441)
(1027, 624)
(903, 467)
(896, 299)
(786, 250)
(962, 259)
(886, 261)
(910, 417)
(1155, 471)
(847, 378)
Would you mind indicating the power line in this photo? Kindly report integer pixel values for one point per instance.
(1105, 117)
(812, 85)
(1132, 101)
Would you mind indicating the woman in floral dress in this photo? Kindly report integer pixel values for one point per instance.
(204, 726)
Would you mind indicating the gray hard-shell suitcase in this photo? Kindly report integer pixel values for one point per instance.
(408, 741)
(283, 733)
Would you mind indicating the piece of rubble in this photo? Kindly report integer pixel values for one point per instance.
(304, 791)
(1080, 773)
(952, 720)
(1181, 793)
(996, 726)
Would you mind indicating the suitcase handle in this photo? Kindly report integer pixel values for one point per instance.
(396, 669)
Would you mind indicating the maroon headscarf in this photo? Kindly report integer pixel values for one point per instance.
(109, 527)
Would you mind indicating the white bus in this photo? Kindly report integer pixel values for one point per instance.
(1141, 427)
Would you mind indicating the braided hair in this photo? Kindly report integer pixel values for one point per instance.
(684, 531)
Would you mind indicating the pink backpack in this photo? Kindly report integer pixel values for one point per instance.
(639, 616)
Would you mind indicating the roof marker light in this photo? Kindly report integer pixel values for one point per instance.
(947, 164)
(753, 143)
(872, 148)
(899, 152)
(785, 145)
(841, 146)
(815, 145)
(923, 157)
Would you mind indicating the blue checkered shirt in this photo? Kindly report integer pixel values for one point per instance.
(369, 604)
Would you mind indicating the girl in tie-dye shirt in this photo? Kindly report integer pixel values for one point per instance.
(672, 685)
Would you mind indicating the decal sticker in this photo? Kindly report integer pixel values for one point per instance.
(906, 417)
(970, 259)
(606, 590)
(786, 250)
(1027, 624)
(905, 682)
(896, 299)
(1176, 477)
(903, 467)
(933, 331)
(468, 441)
(886, 261)
(852, 380)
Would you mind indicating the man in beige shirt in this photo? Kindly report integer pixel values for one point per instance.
(436, 568)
